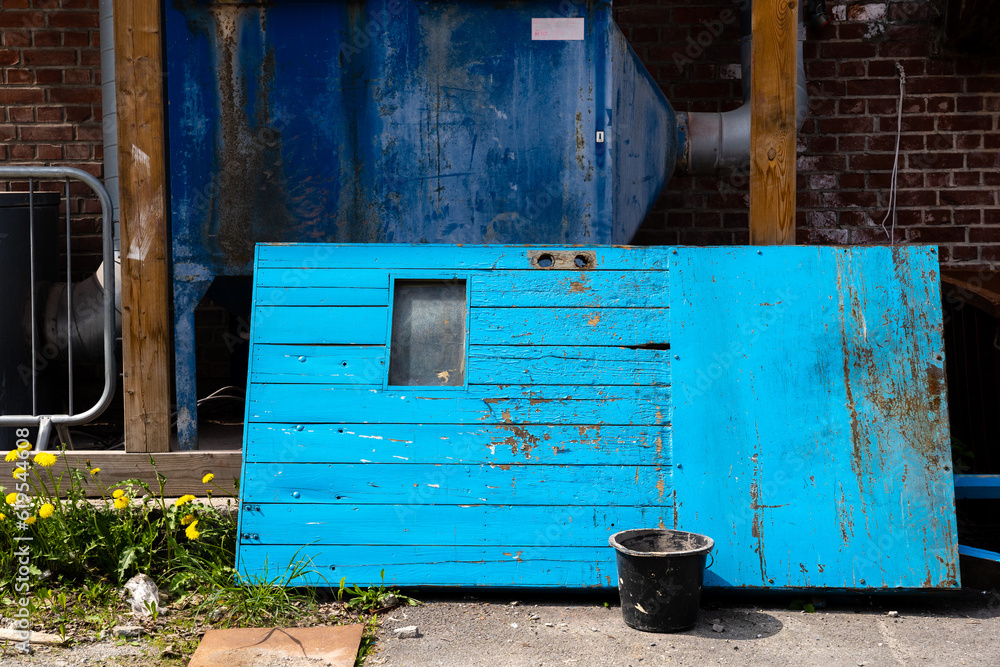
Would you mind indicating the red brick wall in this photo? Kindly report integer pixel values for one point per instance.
(50, 102)
(949, 165)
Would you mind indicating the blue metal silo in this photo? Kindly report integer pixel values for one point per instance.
(400, 121)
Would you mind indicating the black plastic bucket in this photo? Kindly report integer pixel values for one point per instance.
(659, 577)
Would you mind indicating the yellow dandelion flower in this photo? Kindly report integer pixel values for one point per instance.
(24, 445)
(207, 478)
(117, 493)
(45, 459)
(95, 471)
(192, 531)
(184, 500)
(121, 502)
(46, 510)
(3, 517)
(30, 520)
(187, 519)
(11, 498)
(11, 456)
(18, 472)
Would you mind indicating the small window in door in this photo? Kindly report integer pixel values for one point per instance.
(427, 342)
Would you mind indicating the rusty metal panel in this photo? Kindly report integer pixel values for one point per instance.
(399, 121)
(811, 430)
(405, 121)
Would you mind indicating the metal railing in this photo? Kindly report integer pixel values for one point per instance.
(62, 422)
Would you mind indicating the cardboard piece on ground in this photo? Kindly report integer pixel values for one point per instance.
(41, 638)
(336, 646)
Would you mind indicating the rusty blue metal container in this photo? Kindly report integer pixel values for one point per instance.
(400, 121)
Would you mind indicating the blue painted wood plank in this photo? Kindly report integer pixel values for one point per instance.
(319, 364)
(445, 525)
(487, 365)
(518, 565)
(440, 257)
(569, 326)
(328, 277)
(566, 289)
(326, 326)
(432, 443)
(313, 484)
(567, 365)
(811, 429)
(528, 289)
(978, 553)
(315, 403)
(977, 486)
(321, 296)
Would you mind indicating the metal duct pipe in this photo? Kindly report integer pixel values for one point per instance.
(109, 111)
(717, 140)
(85, 330)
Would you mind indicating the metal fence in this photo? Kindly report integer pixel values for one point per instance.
(72, 417)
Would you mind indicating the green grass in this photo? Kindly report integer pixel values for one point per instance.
(82, 551)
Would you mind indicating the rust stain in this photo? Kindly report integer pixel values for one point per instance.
(659, 421)
(659, 487)
(659, 446)
(594, 320)
(577, 287)
(660, 524)
(520, 438)
(502, 466)
(821, 567)
(673, 495)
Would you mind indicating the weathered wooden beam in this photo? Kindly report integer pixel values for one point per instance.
(141, 160)
(183, 470)
(772, 122)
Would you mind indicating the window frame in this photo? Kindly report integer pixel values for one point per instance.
(425, 276)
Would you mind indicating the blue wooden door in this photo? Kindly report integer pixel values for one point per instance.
(510, 467)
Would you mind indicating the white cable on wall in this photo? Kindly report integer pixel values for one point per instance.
(891, 233)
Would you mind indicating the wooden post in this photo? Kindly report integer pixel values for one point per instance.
(772, 122)
(142, 183)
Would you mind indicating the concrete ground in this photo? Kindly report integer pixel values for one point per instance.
(554, 628)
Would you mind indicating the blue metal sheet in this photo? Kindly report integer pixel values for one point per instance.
(398, 121)
(811, 423)
(405, 121)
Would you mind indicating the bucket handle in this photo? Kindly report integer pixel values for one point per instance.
(712, 556)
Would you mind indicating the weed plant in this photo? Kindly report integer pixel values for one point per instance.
(83, 550)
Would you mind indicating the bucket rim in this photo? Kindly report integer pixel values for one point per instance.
(613, 541)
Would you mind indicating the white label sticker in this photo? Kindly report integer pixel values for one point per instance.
(557, 29)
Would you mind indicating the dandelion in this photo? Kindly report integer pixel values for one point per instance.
(45, 459)
(121, 502)
(192, 531)
(95, 471)
(46, 510)
(3, 517)
(24, 445)
(18, 472)
(30, 520)
(11, 456)
(183, 500)
(117, 493)
(187, 519)
(11, 498)
(207, 478)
